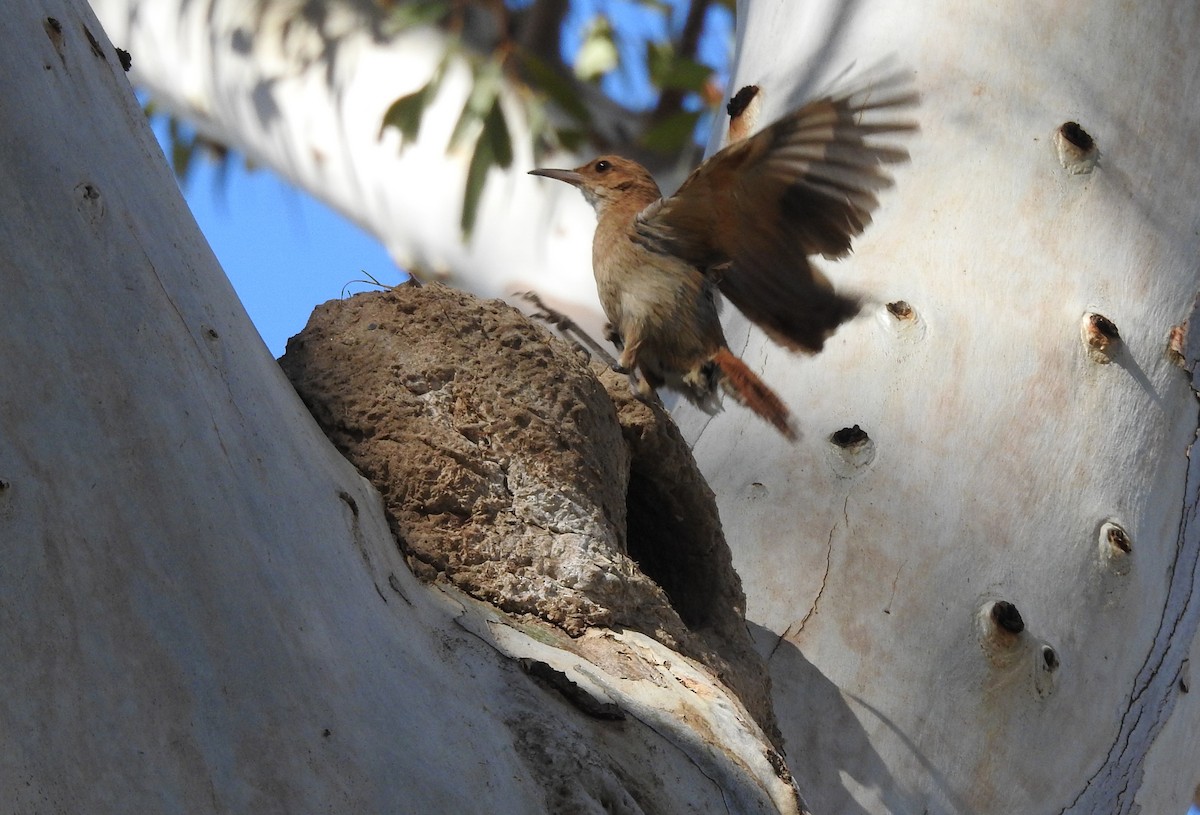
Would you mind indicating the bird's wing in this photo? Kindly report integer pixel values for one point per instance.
(805, 185)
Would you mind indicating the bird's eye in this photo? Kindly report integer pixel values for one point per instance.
(603, 166)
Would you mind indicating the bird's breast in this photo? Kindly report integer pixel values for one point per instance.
(656, 297)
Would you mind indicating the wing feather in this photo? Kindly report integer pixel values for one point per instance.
(803, 186)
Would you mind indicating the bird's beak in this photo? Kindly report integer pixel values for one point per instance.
(570, 176)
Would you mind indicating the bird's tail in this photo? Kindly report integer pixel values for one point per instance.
(744, 385)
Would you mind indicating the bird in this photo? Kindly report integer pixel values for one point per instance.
(744, 224)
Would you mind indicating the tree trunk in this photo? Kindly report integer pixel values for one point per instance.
(975, 575)
(203, 607)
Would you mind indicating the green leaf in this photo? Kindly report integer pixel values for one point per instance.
(495, 131)
(416, 13)
(598, 54)
(405, 114)
(673, 133)
(493, 148)
(479, 103)
(465, 129)
(669, 71)
(487, 85)
(183, 148)
(685, 75)
(538, 121)
(573, 140)
(559, 89)
(481, 161)
(658, 55)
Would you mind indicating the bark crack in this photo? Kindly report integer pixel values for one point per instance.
(824, 580)
(1127, 753)
(895, 580)
(796, 628)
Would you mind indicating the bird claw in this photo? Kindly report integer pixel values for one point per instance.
(641, 389)
(646, 399)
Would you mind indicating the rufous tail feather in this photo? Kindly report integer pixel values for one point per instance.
(745, 386)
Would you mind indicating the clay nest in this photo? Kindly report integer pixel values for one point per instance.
(526, 476)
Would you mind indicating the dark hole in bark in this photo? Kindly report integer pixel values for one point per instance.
(849, 436)
(1005, 615)
(737, 105)
(1077, 136)
(667, 541)
(1119, 540)
(1105, 326)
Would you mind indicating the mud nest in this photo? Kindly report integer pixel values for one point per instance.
(524, 475)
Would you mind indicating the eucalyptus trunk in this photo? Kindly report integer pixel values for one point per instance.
(975, 575)
(202, 606)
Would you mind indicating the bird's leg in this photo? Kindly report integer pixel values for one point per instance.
(639, 382)
(612, 335)
(642, 390)
(627, 362)
(639, 385)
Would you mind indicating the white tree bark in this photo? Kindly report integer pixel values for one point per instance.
(308, 100)
(201, 606)
(1006, 461)
(1002, 451)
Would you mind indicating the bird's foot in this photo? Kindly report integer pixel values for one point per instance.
(641, 388)
(636, 383)
(650, 399)
(627, 362)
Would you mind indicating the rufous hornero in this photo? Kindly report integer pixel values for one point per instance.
(744, 223)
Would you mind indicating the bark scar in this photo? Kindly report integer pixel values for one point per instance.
(1113, 787)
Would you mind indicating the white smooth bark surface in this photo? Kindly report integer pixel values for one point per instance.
(201, 606)
(1000, 448)
(308, 102)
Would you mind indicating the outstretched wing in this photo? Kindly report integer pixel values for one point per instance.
(805, 185)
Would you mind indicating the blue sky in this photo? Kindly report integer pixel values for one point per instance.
(283, 251)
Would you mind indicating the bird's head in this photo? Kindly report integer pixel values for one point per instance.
(607, 180)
